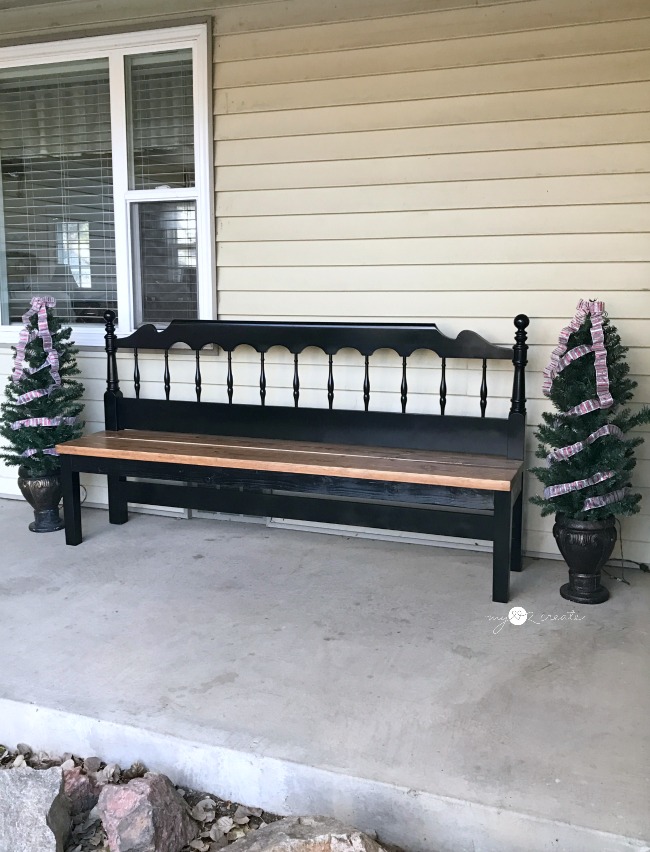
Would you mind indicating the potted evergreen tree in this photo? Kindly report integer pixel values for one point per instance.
(41, 409)
(589, 459)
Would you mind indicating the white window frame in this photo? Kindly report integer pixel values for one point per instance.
(115, 48)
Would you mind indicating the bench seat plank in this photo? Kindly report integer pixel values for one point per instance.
(482, 472)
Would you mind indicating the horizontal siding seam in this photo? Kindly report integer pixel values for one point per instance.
(469, 124)
(382, 74)
(457, 97)
(430, 156)
(416, 238)
(221, 36)
(359, 20)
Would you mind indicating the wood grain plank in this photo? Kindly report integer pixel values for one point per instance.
(491, 473)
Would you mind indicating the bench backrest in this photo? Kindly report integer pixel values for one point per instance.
(491, 435)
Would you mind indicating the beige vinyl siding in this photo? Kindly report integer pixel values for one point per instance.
(450, 165)
(424, 160)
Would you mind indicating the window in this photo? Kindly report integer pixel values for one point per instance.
(105, 189)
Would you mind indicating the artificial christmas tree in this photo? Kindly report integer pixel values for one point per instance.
(589, 461)
(41, 409)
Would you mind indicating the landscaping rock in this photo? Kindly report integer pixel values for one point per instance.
(308, 834)
(34, 810)
(82, 790)
(92, 764)
(146, 815)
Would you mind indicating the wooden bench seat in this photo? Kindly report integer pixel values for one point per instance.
(394, 470)
(454, 470)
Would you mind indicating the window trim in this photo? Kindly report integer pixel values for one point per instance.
(115, 48)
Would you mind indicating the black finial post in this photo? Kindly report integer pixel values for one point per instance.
(520, 359)
(113, 394)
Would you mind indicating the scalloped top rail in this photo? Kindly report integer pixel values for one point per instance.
(366, 338)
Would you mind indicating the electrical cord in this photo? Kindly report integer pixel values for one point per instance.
(624, 563)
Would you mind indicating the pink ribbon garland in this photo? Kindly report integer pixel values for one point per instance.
(560, 358)
(48, 451)
(567, 452)
(43, 421)
(605, 500)
(52, 361)
(573, 355)
(38, 305)
(35, 394)
(578, 484)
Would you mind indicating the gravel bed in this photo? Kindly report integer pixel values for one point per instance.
(223, 822)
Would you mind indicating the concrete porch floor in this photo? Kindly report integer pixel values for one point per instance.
(304, 672)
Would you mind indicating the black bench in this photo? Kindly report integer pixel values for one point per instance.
(433, 473)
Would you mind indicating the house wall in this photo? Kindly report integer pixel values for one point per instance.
(452, 161)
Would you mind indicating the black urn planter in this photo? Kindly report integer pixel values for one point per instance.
(43, 493)
(586, 546)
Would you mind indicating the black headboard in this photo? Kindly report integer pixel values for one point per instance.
(502, 436)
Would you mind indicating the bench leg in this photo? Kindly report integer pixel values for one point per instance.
(516, 532)
(71, 502)
(502, 548)
(118, 510)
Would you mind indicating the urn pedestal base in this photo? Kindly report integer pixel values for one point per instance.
(43, 493)
(586, 546)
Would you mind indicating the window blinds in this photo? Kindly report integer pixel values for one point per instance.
(161, 120)
(165, 261)
(57, 189)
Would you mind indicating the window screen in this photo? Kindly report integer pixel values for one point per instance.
(56, 192)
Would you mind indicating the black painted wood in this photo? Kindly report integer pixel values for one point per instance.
(437, 520)
(262, 380)
(118, 508)
(230, 381)
(330, 382)
(503, 546)
(136, 374)
(311, 508)
(373, 428)
(198, 381)
(112, 382)
(296, 381)
(443, 387)
(484, 389)
(366, 338)
(404, 386)
(166, 376)
(333, 486)
(71, 493)
(113, 394)
(366, 383)
(519, 359)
